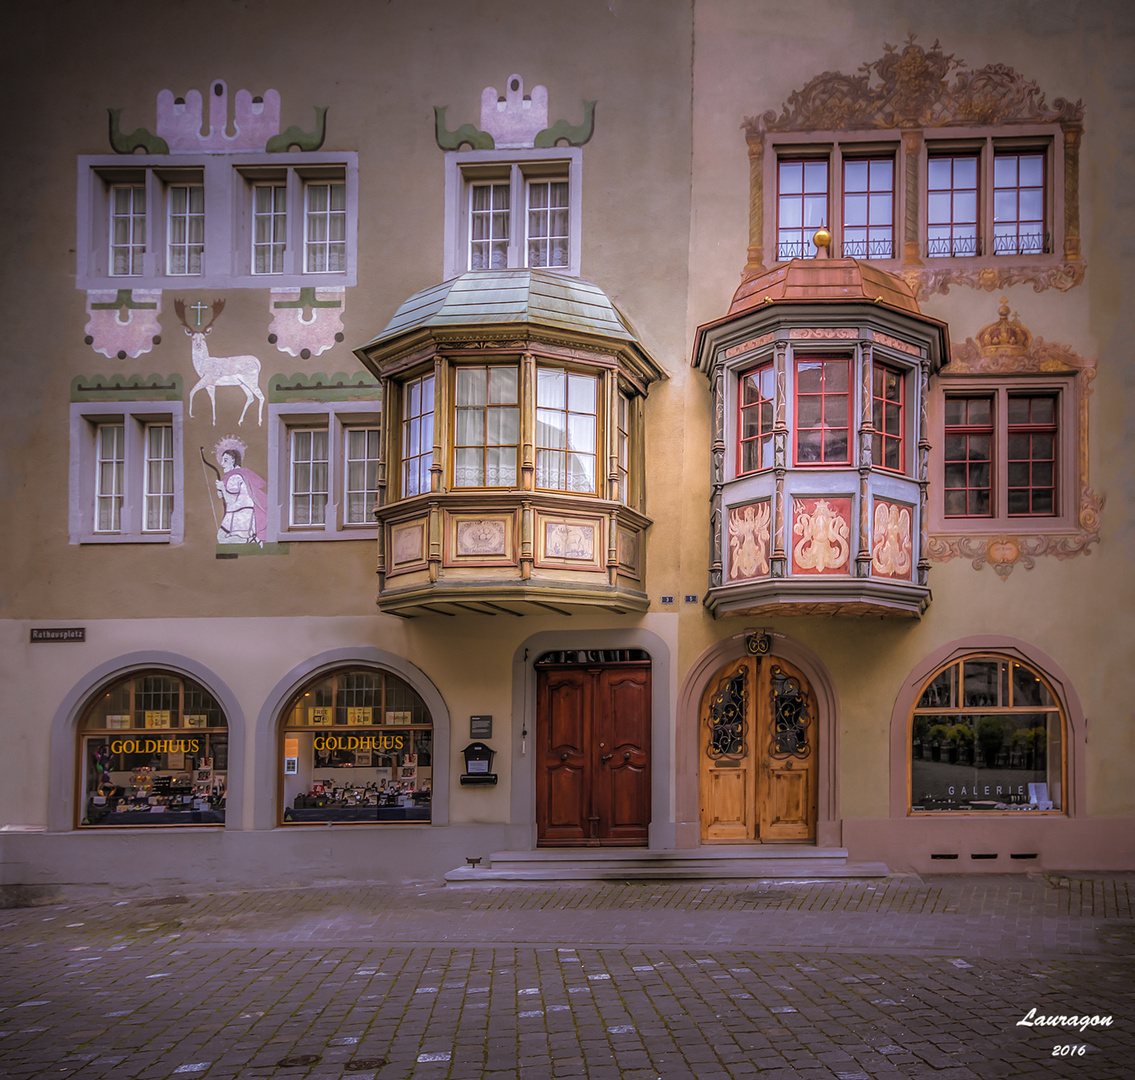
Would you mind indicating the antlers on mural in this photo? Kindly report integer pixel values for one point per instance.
(214, 371)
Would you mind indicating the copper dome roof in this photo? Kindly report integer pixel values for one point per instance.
(812, 280)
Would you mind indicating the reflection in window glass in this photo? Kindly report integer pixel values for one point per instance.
(1000, 749)
(822, 412)
(309, 476)
(362, 474)
(487, 427)
(417, 434)
(566, 430)
(357, 747)
(547, 223)
(802, 207)
(868, 208)
(951, 206)
(186, 229)
(154, 752)
(756, 419)
(1018, 204)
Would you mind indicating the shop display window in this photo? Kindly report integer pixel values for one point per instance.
(987, 735)
(154, 751)
(357, 747)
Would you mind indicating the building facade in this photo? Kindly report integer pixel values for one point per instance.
(446, 430)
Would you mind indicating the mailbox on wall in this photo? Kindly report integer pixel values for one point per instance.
(478, 764)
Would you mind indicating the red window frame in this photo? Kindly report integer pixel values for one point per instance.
(962, 235)
(755, 418)
(968, 455)
(794, 241)
(874, 237)
(816, 406)
(1031, 455)
(1019, 203)
(888, 417)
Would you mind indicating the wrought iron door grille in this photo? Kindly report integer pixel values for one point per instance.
(727, 717)
(791, 717)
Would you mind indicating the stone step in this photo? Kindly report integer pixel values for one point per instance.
(706, 864)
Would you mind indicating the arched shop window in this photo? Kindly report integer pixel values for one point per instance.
(987, 734)
(357, 747)
(154, 751)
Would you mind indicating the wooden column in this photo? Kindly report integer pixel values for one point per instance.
(866, 438)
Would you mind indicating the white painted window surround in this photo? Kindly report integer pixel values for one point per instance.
(531, 222)
(334, 427)
(231, 245)
(127, 483)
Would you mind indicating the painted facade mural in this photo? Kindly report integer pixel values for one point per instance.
(243, 494)
(916, 95)
(1007, 351)
(749, 528)
(824, 531)
(148, 227)
(242, 372)
(123, 322)
(514, 121)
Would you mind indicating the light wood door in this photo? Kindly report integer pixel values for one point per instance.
(593, 741)
(757, 737)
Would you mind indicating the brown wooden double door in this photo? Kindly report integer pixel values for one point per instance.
(757, 743)
(593, 746)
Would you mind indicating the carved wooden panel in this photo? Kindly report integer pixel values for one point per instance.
(892, 540)
(750, 529)
(821, 535)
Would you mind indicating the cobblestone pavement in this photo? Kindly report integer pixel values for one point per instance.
(901, 979)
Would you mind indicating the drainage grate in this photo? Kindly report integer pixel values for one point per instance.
(297, 1059)
(162, 901)
(359, 1064)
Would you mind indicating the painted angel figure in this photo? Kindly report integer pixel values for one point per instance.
(244, 494)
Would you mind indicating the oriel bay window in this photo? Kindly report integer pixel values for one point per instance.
(356, 747)
(819, 460)
(987, 735)
(153, 751)
(512, 476)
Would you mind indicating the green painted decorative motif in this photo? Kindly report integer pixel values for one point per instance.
(360, 386)
(233, 551)
(139, 137)
(127, 388)
(307, 301)
(124, 301)
(300, 139)
(573, 134)
(466, 133)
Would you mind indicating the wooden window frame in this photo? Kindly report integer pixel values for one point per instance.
(847, 394)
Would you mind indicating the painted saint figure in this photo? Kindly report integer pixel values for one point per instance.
(244, 494)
